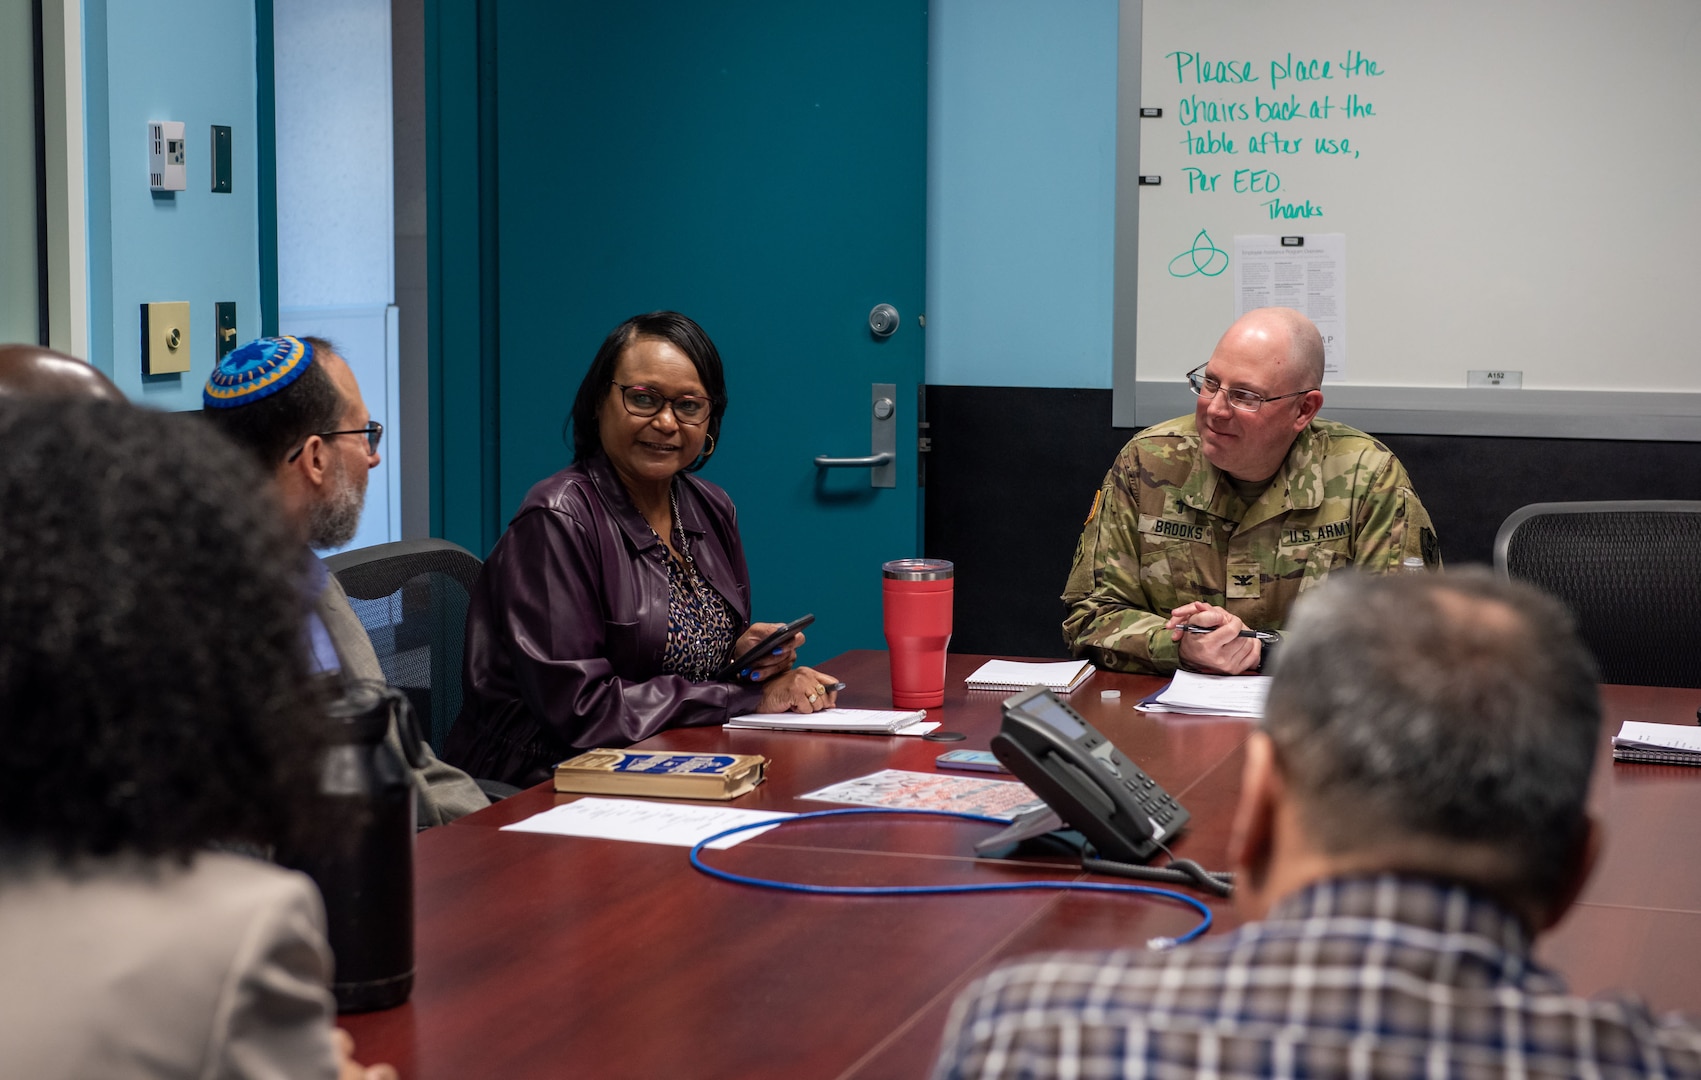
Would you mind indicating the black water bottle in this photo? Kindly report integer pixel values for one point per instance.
(363, 862)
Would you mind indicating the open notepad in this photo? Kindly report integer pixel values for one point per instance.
(1059, 677)
(1662, 744)
(857, 721)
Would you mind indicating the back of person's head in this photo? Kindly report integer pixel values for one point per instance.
(1451, 709)
(271, 394)
(35, 371)
(153, 682)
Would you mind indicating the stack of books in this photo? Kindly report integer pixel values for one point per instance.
(1661, 744)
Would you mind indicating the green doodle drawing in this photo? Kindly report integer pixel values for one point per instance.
(1202, 256)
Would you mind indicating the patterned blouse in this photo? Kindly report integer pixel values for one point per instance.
(700, 624)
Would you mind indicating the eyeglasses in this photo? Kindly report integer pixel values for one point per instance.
(374, 431)
(1206, 386)
(688, 409)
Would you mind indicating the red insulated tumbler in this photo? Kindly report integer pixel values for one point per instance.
(917, 595)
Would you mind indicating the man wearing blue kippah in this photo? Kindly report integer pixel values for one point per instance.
(295, 405)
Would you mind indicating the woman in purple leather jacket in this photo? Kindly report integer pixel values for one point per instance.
(620, 586)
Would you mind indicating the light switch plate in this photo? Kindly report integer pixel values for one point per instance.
(224, 328)
(165, 338)
(221, 158)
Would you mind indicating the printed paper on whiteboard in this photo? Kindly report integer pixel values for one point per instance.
(1311, 279)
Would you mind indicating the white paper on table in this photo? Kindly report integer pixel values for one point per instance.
(1215, 695)
(644, 822)
(1641, 736)
(870, 721)
(920, 727)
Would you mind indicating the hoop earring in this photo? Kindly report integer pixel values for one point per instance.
(703, 455)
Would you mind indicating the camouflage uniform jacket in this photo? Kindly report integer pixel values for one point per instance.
(1169, 528)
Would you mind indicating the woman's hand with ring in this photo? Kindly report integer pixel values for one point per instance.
(801, 690)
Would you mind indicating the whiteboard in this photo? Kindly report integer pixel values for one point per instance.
(1518, 185)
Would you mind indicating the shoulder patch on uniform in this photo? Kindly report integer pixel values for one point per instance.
(1431, 546)
(1098, 497)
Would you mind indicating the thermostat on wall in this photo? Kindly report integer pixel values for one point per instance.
(165, 155)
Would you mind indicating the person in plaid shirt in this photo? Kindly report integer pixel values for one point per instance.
(1412, 815)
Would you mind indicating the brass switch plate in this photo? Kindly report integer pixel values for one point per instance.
(165, 338)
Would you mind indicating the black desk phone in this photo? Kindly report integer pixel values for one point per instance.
(1072, 766)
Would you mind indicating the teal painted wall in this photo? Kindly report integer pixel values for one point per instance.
(1021, 192)
(1021, 195)
(463, 425)
(188, 60)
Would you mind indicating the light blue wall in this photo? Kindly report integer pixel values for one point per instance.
(188, 60)
(1021, 190)
(1021, 116)
(336, 214)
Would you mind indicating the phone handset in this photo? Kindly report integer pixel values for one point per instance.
(1070, 764)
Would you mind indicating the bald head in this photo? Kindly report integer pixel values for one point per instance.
(1286, 340)
(34, 372)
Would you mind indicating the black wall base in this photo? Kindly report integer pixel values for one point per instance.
(1013, 472)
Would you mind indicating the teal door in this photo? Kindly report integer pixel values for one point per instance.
(760, 166)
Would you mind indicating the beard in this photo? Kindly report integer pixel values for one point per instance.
(335, 519)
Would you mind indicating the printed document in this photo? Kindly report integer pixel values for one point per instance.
(646, 822)
(1211, 695)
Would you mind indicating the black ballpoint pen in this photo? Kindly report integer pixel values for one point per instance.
(1261, 635)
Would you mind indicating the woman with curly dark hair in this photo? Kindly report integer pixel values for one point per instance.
(154, 709)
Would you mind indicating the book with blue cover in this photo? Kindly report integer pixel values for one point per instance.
(664, 773)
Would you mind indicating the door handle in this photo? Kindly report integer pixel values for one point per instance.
(882, 458)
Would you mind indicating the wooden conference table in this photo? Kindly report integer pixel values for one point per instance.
(554, 956)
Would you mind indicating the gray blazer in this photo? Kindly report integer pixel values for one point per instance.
(133, 967)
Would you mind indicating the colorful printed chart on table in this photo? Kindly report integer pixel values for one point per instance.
(896, 789)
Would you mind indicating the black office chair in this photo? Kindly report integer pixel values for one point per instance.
(412, 598)
(1629, 571)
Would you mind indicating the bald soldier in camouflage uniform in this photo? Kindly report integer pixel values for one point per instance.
(1221, 519)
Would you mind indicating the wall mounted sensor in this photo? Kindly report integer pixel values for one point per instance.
(165, 156)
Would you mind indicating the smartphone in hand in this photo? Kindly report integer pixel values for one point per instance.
(765, 647)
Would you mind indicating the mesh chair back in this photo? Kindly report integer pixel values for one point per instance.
(1629, 571)
(412, 598)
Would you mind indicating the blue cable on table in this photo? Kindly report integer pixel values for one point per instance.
(923, 890)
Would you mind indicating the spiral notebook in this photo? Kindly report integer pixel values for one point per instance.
(1060, 677)
(1658, 744)
(857, 721)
